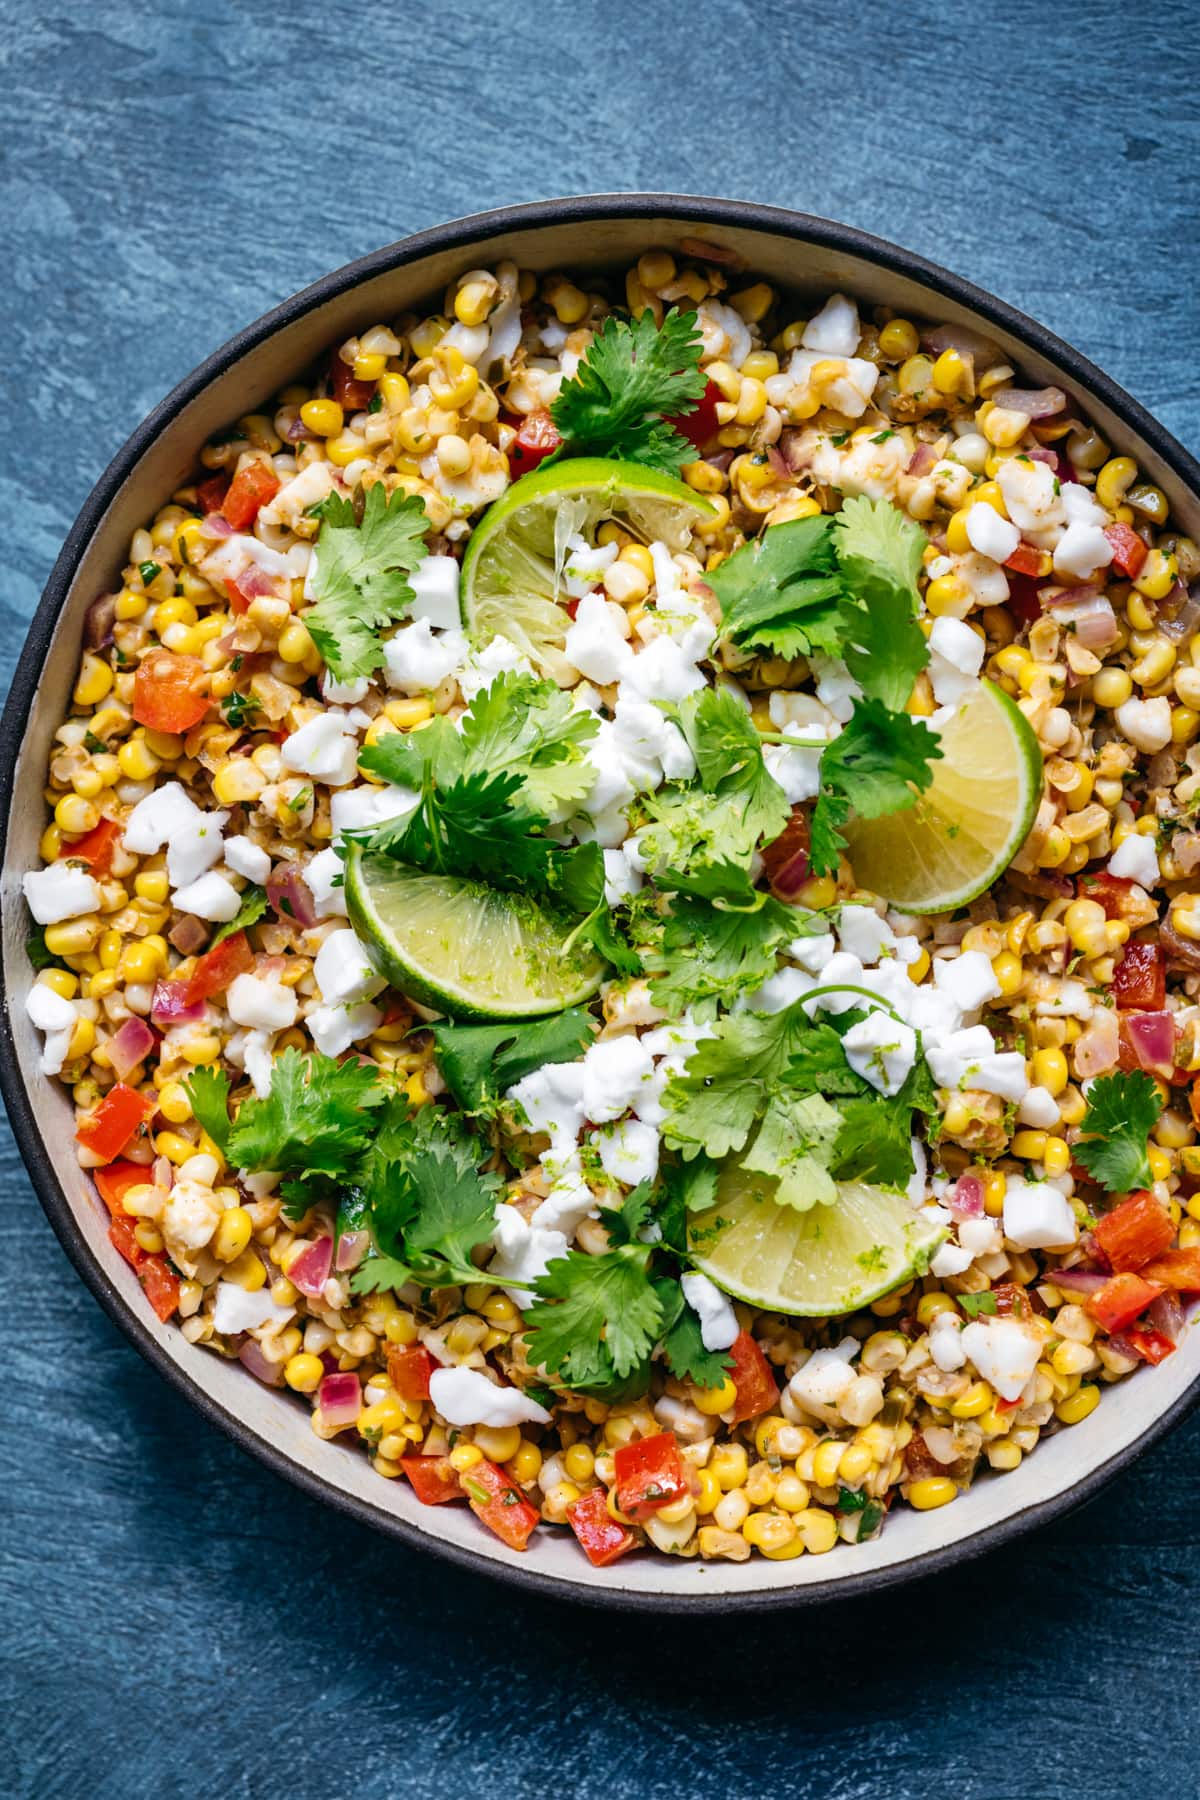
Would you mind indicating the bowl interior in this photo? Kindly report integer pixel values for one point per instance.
(806, 257)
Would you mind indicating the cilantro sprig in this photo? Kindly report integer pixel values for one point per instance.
(365, 550)
(877, 764)
(479, 1063)
(635, 378)
(1122, 1111)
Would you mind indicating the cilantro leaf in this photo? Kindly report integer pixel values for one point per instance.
(635, 377)
(684, 1188)
(974, 1304)
(736, 804)
(522, 726)
(597, 1318)
(819, 1066)
(481, 1062)
(876, 765)
(317, 1117)
(880, 551)
(253, 906)
(1122, 1111)
(729, 1080)
(710, 952)
(379, 1274)
(684, 1349)
(359, 577)
(208, 1091)
(794, 1147)
(781, 592)
(431, 1206)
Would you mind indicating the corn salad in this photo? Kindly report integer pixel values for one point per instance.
(208, 750)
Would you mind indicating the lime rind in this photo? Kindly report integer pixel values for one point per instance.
(465, 949)
(964, 830)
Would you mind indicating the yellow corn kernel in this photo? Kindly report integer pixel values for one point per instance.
(83, 1040)
(473, 301)
(498, 1309)
(246, 1271)
(1050, 1070)
(136, 760)
(406, 715)
(945, 595)
(1078, 1405)
(717, 519)
(817, 1528)
(50, 844)
(826, 1458)
(712, 1401)
(369, 365)
(323, 417)
(189, 544)
(930, 1305)
(294, 642)
(1158, 576)
(709, 1495)
(344, 449)
(958, 1117)
(977, 1399)
(94, 682)
(899, 340)
(526, 1463)
(60, 982)
(855, 1463)
(75, 815)
(465, 1456)
(232, 1234)
(994, 1185)
(173, 1103)
(1160, 1162)
(1056, 1157)
(729, 1465)
(304, 1372)
(915, 374)
(931, 1492)
(769, 1531)
(817, 893)
(139, 962)
(73, 937)
(1113, 480)
(951, 374)
(498, 1443)
(580, 1462)
(1009, 971)
(130, 605)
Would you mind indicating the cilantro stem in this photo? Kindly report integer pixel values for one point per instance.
(794, 743)
(850, 987)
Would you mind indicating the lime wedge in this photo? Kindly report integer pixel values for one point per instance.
(815, 1264)
(463, 948)
(510, 573)
(966, 828)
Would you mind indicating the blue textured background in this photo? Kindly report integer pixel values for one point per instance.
(175, 1619)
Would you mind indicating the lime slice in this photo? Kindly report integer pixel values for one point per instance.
(966, 828)
(466, 949)
(510, 584)
(815, 1264)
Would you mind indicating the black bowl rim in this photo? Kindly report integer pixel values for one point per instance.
(465, 233)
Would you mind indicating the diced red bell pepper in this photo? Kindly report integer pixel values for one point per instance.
(96, 846)
(113, 1122)
(1113, 892)
(537, 438)
(350, 393)
(1129, 550)
(757, 1389)
(121, 1229)
(601, 1538)
(650, 1475)
(434, 1479)
(211, 492)
(1140, 978)
(410, 1366)
(1012, 1300)
(114, 1182)
(1025, 560)
(1178, 1269)
(161, 1284)
(1118, 1303)
(254, 484)
(1134, 1232)
(496, 1499)
(701, 425)
(167, 692)
(1151, 1345)
(217, 968)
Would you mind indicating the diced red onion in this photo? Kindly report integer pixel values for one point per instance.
(1035, 403)
(965, 1199)
(1053, 459)
(1123, 1346)
(1099, 1044)
(251, 1357)
(289, 894)
(1077, 1281)
(776, 460)
(922, 460)
(189, 935)
(216, 525)
(352, 1247)
(964, 340)
(171, 1006)
(796, 459)
(788, 880)
(310, 1271)
(1179, 613)
(130, 1046)
(98, 622)
(297, 432)
(1092, 616)
(1166, 1315)
(1152, 1035)
(340, 1399)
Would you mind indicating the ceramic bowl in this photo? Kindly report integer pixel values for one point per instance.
(808, 256)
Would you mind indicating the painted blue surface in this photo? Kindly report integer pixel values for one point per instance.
(177, 1621)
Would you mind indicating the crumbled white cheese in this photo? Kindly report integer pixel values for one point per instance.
(56, 1017)
(417, 660)
(59, 892)
(1136, 859)
(629, 1151)
(245, 857)
(1082, 551)
(955, 659)
(193, 838)
(718, 1322)
(434, 583)
(1004, 1351)
(864, 934)
(881, 1050)
(320, 873)
(990, 534)
(1037, 1216)
(211, 896)
(344, 970)
(236, 1309)
(261, 1003)
(969, 979)
(334, 1028)
(835, 330)
(466, 1397)
(325, 748)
